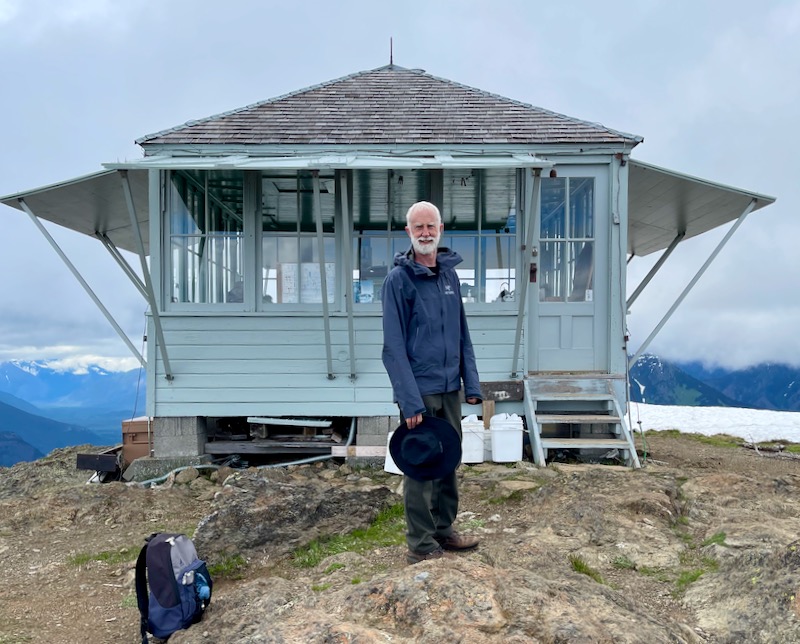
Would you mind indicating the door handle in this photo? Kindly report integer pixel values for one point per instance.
(532, 277)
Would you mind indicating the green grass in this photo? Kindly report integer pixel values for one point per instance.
(333, 568)
(231, 567)
(388, 529)
(318, 588)
(656, 573)
(623, 563)
(687, 577)
(111, 557)
(717, 440)
(129, 601)
(717, 538)
(793, 449)
(580, 566)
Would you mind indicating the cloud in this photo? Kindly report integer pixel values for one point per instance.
(42, 18)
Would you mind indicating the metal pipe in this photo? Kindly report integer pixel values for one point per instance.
(532, 191)
(83, 282)
(123, 264)
(691, 284)
(655, 268)
(348, 271)
(162, 347)
(323, 277)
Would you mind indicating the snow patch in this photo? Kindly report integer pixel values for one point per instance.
(754, 425)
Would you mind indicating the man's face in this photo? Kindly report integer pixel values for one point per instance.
(424, 229)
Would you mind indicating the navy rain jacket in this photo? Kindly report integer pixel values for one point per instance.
(426, 343)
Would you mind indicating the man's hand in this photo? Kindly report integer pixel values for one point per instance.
(414, 421)
(472, 400)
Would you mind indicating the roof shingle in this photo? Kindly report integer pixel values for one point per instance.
(388, 105)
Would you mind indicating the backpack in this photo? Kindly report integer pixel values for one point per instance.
(178, 582)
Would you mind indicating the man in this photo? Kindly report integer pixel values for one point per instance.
(427, 353)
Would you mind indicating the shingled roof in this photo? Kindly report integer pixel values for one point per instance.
(386, 106)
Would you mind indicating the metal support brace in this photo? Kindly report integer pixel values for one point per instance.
(348, 271)
(691, 284)
(655, 268)
(633, 457)
(534, 431)
(123, 264)
(532, 191)
(148, 282)
(83, 283)
(323, 277)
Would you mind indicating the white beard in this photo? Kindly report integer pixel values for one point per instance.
(425, 248)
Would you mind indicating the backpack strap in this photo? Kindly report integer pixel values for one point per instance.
(141, 592)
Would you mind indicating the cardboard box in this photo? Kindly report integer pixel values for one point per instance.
(137, 438)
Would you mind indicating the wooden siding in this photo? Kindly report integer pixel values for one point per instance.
(268, 365)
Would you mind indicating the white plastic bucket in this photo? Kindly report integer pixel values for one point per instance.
(472, 440)
(506, 431)
(389, 465)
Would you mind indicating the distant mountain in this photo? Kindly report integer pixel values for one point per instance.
(659, 382)
(13, 450)
(93, 398)
(43, 434)
(48, 388)
(764, 386)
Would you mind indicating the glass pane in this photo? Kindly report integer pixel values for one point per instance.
(498, 199)
(581, 271)
(464, 245)
(462, 190)
(373, 258)
(207, 268)
(554, 194)
(581, 207)
(371, 199)
(287, 201)
(498, 259)
(291, 273)
(206, 231)
(551, 271)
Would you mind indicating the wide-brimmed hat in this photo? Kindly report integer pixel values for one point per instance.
(431, 450)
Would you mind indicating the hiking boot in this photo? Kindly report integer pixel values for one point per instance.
(415, 557)
(455, 541)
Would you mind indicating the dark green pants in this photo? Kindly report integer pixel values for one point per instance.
(431, 506)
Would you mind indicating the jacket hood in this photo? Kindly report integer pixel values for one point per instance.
(445, 257)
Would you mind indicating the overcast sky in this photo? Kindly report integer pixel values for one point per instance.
(713, 87)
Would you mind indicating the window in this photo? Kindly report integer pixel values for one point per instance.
(478, 212)
(290, 257)
(567, 234)
(206, 234)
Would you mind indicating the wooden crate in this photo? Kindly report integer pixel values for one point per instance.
(137, 438)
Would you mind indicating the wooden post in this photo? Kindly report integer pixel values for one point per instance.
(488, 412)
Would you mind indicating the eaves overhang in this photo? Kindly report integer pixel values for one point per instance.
(663, 204)
(93, 204)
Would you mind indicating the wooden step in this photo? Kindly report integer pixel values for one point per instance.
(584, 443)
(577, 419)
(569, 395)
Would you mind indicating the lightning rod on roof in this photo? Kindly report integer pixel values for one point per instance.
(391, 56)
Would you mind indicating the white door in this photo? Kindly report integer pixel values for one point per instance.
(569, 290)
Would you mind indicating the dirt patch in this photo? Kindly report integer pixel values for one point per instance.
(700, 542)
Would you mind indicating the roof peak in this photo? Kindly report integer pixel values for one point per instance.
(361, 99)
